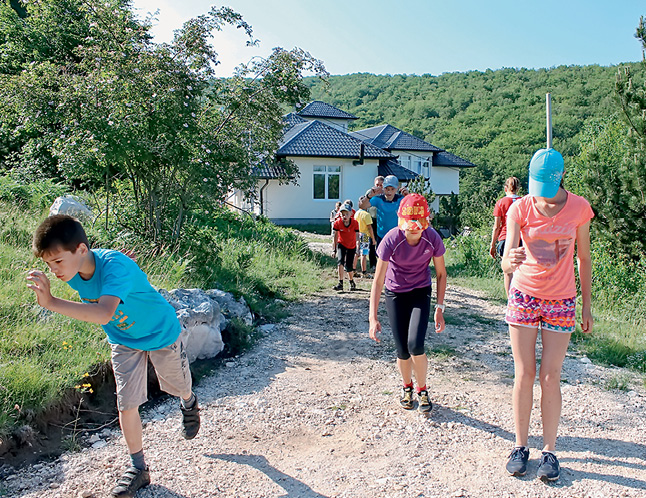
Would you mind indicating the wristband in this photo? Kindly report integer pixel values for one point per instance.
(440, 307)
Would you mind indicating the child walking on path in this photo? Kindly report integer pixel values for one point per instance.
(139, 322)
(499, 232)
(366, 234)
(542, 297)
(403, 266)
(344, 245)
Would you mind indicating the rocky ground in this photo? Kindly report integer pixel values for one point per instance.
(312, 411)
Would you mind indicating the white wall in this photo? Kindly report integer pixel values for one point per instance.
(297, 202)
(445, 180)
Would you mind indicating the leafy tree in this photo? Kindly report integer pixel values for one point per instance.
(113, 104)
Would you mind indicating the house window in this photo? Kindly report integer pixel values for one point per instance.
(405, 162)
(426, 165)
(326, 182)
(417, 165)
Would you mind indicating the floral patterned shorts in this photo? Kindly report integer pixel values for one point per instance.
(556, 315)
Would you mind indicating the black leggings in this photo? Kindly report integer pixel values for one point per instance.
(408, 314)
(345, 257)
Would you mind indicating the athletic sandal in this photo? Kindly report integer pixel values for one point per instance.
(517, 463)
(425, 404)
(131, 480)
(548, 468)
(407, 398)
(190, 420)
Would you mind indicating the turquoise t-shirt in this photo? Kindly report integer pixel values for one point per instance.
(143, 320)
(386, 213)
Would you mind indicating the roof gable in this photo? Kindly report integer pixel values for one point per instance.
(318, 139)
(292, 119)
(388, 137)
(319, 109)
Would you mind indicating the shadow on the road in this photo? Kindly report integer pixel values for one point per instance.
(612, 449)
(293, 487)
(158, 490)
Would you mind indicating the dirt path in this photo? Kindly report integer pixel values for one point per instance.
(312, 411)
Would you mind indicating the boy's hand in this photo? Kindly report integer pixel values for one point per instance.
(375, 328)
(41, 286)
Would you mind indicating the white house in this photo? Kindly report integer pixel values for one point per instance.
(335, 165)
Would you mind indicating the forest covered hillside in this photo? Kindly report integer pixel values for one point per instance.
(495, 119)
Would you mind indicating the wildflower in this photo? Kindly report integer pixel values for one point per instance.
(185, 125)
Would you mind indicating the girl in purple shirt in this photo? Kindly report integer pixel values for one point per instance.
(403, 266)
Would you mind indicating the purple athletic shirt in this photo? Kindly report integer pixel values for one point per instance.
(408, 266)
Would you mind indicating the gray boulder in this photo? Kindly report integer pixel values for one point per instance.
(72, 206)
(199, 317)
(231, 308)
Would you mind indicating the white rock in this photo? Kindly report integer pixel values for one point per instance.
(99, 444)
(72, 206)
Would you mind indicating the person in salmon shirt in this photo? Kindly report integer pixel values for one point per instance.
(542, 297)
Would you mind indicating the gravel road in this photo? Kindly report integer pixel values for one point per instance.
(312, 411)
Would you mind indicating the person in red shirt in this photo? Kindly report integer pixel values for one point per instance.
(499, 232)
(344, 245)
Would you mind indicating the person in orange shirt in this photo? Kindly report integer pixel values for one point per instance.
(344, 244)
(499, 232)
(542, 296)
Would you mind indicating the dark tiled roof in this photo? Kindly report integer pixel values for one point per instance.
(316, 139)
(264, 172)
(292, 119)
(318, 109)
(388, 137)
(392, 167)
(447, 159)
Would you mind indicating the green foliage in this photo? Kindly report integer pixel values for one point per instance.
(468, 255)
(108, 103)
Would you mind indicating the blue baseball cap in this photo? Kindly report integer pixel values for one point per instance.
(391, 181)
(545, 172)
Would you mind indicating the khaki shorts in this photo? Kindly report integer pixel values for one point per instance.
(130, 368)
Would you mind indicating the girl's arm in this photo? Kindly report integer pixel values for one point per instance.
(513, 256)
(585, 275)
(375, 294)
(440, 277)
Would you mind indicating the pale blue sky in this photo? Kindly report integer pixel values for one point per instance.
(423, 36)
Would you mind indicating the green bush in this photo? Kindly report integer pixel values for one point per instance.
(468, 255)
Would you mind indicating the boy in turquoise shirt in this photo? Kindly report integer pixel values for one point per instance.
(139, 322)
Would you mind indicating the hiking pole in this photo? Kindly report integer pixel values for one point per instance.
(548, 108)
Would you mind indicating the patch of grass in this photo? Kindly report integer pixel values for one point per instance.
(452, 319)
(335, 408)
(620, 382)
(442, 352)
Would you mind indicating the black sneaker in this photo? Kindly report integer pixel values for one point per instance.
(190, 420)
(353, 286)
(517, 463)
(407, 398)
(424, 403)
(338, 287)
(549, 468)
(131, 480)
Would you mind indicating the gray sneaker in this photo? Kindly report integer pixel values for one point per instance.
(407, 398)
(548, 468)
(424, 403)
(517, 463)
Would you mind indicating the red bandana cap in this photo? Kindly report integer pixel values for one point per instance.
(413, 213)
